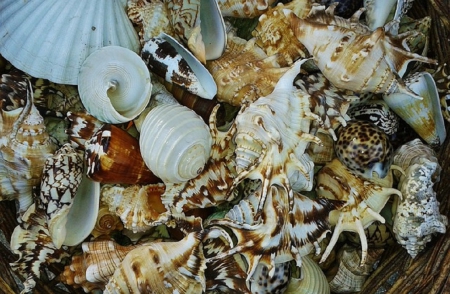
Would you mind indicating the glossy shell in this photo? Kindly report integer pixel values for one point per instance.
(57, 55)
(174, 152)
(114, 84)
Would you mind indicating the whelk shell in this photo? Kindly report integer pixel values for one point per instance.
(57, 55)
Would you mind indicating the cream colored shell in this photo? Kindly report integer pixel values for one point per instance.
(175, 143)
(114, 84)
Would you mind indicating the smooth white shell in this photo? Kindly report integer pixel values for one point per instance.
(175, 143)
(51, 39)
(114, 84)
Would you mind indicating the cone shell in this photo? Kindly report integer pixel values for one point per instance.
(56, 37)
(114, 84)
(113, 156)
(162, 267)
(176, 141)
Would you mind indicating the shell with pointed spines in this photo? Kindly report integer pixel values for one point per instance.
(244, 8)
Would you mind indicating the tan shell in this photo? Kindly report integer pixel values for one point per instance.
(311, 280)
(139, 207)
(106, 223)
(244, 8)
(365, 199)
(162, 267)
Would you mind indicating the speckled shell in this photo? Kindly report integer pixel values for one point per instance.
(244, 72)
(57, 55)
(24, 147)
(168, 59)
(32, 243)
(423, 116)
(357, 61)
(114, 84)
(365, 199)
(62, 174)
(364, 148)
(351, 275)
(175, 152)
(162, 267)
(417, 216)
(113, 156)
(272, 135)
(139, 207)
(244, 8)
(262, 282)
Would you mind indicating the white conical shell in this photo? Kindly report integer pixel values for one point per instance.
(114, 84)
(51, 39)
(82, 216)
(424, 116)
(175, 143)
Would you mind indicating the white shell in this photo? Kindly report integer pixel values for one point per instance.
(175, 143)
(377, 12)
(114, 84)
(51, 39)
(424, 116)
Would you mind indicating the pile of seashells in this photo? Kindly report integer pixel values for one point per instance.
(155, 150)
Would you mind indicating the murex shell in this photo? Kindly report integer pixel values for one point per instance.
(173, 152)
(359, 61)
(57, 55)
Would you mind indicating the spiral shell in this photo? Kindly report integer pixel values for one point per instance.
(175, 152)
(114, 84)
(106, 223)
(311, 279)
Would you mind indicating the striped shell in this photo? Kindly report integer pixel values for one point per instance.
(173, 152)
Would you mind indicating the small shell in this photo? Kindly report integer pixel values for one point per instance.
(162, 267)
(311, 279)
(31, 241)
(364, 149)
(139, 207)
(61, 177)
(57, 55)
(113, 156)
(114, 84)
(168, 59)
(82, 127)
(173, 152)
(262, 282)
(365, 199)
(106, 223)
(355, 60)
(244, 9)
(424, 115)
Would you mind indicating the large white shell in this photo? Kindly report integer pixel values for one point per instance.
(175, 143)
(114, 84)
(51, 39)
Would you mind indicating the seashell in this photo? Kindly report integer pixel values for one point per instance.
(342, 56)
(377, 12)
(274, 35)
(323, 153)
(200, 25)
(56, 128)
(57, 55)
(139, 207)
(151, 17)
(106, 223)
(276, 234)
(243, 9)
(442, 80)
(365, 149)
(345, 8)
(378, 113)
(269, 146)
(351, 274)
(417, 216)
(114, 89)
(61, 177)
(24, 147)
(32, 243)
(261, 282)
(311, 279)
(364, 201)
(328, 102)
(424, 115)
(113, 156)
(162, 267)
(93, 268)
(420, 42)
(13, 90)
(173, 152)
(244, 72)
(168, 59)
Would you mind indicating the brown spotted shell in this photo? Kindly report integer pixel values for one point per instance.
(364, 148)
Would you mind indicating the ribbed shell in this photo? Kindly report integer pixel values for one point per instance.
(176, 143)
(51, 39)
